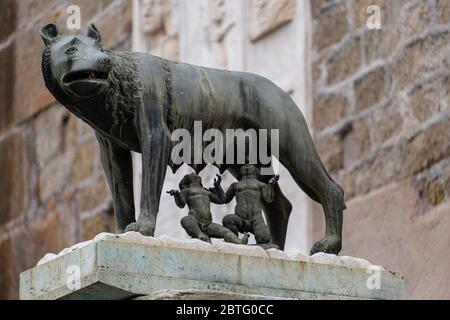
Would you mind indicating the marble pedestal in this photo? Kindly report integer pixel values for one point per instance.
(131, 266)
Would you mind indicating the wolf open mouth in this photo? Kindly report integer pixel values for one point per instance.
(84, 75)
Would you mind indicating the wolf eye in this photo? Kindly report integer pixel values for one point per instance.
(71, 50)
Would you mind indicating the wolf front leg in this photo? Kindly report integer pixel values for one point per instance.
(155, 150)
(119, 174)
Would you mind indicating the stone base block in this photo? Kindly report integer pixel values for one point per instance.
(133, 266)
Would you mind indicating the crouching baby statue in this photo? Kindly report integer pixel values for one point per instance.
(198, 223)
(250, 194)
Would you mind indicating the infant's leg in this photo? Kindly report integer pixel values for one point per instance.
(261, 231)
(192, 227)
(234, 223)
(215, 230)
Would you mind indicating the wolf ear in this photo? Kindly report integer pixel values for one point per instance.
(49, 33)
(95, 34)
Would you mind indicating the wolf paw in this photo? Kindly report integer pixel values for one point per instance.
(143, 227)
(329, 244)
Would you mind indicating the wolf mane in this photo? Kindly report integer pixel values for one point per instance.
(125, 90)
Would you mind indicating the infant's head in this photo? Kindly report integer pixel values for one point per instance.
(189, 180)
(249, 170)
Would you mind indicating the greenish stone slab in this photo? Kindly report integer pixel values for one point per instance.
(130, 265)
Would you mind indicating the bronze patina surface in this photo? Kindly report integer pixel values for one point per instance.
(135, 101)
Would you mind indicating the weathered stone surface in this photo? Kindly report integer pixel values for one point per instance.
(287, 255)
(443, 11)
(352, 262)
(362, 180)
(398, 119)
(357, 142)
(30, 242)
(317, 71)
(102, 221)
(372, 172)
(421, 57)
(231, 248)
(386, 167)
(316, 5)
(186, 243)
(93, 195)
(345, 61)
(129, 236)
(387, 121)
(90, 9)
(347, 182)
(446, 179)
(8, 279)
(380, 44)
(331, 151)
(202, 295)
(369, 89)
(427, 148)
(50, 127)
(406, 68)
(328, 109)
(332, 25)
(8, 18)
(116, 30)
(425, 101)
(406, 109)
(13, 182)
(7, 61)
(435, 192)
(325, 258)
(269, 15)
(84, 161)
(362, 137)
(417, 18)
(113, 267)
(411, 241)
(297, 256)
(48, 257)
(30, 10)
(157, 27)
(54, 176)
(29, 96)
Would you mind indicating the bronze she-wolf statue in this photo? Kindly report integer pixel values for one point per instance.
(135, 101)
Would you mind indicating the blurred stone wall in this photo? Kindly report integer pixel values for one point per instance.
(381, 120)
(52, 188)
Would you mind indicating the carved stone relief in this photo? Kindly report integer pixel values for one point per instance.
(218, 29)
(268, 15)
(159, 27)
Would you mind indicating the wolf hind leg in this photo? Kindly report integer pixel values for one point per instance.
(333, 206)
(311, 176)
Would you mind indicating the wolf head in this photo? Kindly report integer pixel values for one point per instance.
(78, 64)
